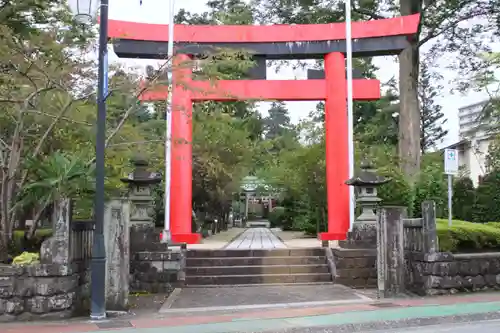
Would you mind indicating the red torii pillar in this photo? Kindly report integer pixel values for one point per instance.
(332, 90)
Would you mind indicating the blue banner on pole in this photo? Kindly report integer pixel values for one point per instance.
(105, 88)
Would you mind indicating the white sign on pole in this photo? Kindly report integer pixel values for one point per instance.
(450, 161)
(450, 168)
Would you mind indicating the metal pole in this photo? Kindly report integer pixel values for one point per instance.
(246, 205)
(168, 133)
(98, 264)
(450, 197)
(350, 115)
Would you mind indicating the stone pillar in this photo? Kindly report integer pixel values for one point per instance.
(142, 227)
(56, 249)
(116, 237)
(429, 227)
(390, 251)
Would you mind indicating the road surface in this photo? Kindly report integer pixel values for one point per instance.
(491, 326)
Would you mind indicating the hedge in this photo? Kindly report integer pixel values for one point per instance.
(277, 216)
(466, 237)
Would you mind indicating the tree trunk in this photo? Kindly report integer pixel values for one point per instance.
(409, 115)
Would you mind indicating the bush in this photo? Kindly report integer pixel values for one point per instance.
(431, 185)
(277, 217)
(468, 237)
(486, 207)
(463, 199)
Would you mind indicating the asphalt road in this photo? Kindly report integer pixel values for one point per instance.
(491, 326)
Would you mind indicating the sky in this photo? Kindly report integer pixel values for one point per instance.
(157, 11)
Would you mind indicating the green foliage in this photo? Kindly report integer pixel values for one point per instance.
(277, 217)
(431, 117)
(463, 199)
(486, 206)
(468, 237)
(398, 192)
(431, 185)
(493, 156)
(26, 258)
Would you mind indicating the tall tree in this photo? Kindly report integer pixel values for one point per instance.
(431, 117)
(382, 127)
(277, 123)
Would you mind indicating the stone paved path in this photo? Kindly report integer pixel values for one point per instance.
(256, 238)
(241, 297)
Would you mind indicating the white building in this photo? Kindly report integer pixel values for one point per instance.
(474, 141)
(469, 119)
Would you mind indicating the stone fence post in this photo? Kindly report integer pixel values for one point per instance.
(429, 227)
(390, 251)
(116, 237)
(56, 249)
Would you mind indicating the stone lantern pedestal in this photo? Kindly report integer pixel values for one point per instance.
(364, 230)
(142, 226)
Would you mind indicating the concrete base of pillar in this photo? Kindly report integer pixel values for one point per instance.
(362, 236)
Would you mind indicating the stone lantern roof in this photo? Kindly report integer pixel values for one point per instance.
(367, 177)
(141, 175)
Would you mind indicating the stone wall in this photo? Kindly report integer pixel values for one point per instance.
(356, 268)
(446, 273)
(43, 291)
(158, 272)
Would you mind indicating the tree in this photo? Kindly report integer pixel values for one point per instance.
(463, 199)
(431, 118)
(300, 173)
(277, 123)
(485, 207)
(38, 91)
(441, 20)
(381, 128)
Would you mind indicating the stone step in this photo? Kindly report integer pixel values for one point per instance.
(256, 253)
(254, 261)
(257, 279)
(256, 270)
(326, 283)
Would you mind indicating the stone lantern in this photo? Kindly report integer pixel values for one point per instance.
(366, 183)
(140, 183)
(364, 229)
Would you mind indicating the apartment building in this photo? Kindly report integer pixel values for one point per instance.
(474, 141)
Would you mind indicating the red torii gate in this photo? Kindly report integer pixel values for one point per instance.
(265, 42)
